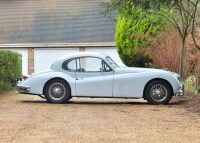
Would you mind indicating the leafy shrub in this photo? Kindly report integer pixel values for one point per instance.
(165, 52)
(191, 85)
(133, 26)
(10, 68)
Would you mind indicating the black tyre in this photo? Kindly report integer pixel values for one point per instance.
(158, 92)
(57, 91)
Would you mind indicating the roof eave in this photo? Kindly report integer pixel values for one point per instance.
(57, 45)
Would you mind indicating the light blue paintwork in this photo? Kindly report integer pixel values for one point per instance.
(120, 82)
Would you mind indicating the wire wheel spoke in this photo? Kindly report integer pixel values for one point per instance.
(57, 91)
(158, 92)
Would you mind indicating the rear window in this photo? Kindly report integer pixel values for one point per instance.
(69, 65)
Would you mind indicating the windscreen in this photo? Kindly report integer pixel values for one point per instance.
(111, 62)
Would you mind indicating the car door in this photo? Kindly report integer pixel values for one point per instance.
(94, 78)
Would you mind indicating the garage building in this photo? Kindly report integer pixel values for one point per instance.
(43, 31)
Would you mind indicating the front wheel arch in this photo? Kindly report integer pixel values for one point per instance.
(155, 79)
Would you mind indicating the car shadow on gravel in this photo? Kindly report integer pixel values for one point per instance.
(103, 102)
(106, 103)
(33, 101)
(178, 102)
(100, 102)
(86, 102)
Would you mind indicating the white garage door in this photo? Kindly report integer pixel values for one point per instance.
(44, 57)
(112, 52)
(24, 53)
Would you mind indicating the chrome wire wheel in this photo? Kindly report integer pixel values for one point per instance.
(57, 91)
(158, 92)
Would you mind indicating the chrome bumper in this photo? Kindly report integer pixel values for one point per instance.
(180, 91)
(23, 89)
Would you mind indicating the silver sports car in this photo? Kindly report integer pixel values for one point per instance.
(97, 75)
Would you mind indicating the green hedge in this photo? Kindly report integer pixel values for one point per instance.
(10, 68)
(133, 29)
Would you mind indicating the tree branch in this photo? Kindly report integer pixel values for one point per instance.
(181, 7)
(172, 20)
(193, 26)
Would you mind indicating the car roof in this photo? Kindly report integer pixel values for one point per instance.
(82, 54)
(58, 63)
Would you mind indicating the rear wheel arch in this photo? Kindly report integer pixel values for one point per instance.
(158, 79)
(56, 78)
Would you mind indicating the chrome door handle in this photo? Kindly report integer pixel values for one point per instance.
(79, 78)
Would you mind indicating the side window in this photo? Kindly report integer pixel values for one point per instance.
(105, 67)
(92, 64)
(70, 65)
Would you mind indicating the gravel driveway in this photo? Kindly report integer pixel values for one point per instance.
(26, 118)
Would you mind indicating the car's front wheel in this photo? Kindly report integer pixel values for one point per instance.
(158, 92)
(57, 91)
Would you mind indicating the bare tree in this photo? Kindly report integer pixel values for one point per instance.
(183, 14)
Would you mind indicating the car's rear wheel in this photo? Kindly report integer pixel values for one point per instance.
(57, 91)
(158, 92)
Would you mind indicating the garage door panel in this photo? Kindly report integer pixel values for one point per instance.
(44, 57)
(112, 52)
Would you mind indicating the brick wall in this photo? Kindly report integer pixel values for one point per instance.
(30, 60)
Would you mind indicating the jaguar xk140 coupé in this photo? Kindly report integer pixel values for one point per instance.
(97, 75)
